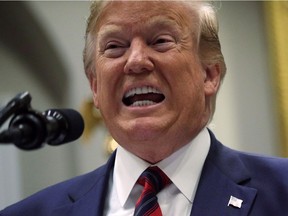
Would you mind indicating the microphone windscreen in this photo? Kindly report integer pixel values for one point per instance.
(75, 124)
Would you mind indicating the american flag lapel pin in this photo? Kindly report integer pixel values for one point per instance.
(235, 202)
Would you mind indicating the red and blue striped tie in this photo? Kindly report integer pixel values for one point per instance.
(153, 180)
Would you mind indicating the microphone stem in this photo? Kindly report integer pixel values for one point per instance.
(17, 135)
(10, 136)
(5, 137)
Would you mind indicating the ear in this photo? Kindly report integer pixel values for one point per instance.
(93, 85)
(212, 79)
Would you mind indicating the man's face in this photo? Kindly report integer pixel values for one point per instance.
(149, 83)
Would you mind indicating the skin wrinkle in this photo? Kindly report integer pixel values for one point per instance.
(208, 29)
(182, 20)
(172, 66)
(113, 31)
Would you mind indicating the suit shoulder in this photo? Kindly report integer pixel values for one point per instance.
(262, 169)
(254, 163)
(266, 165)
(44, 201)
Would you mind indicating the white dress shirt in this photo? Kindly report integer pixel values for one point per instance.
(183, 167)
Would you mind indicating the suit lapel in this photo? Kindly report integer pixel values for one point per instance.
(88, 195)
(224, 175)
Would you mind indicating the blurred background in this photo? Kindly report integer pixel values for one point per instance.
(41, 45)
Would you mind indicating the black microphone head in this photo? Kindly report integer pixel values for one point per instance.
(74, 125)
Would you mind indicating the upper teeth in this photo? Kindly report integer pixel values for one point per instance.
(141, 90)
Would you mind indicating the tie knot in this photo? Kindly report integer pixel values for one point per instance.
(154, 179)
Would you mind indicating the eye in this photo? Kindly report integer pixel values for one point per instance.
(114, 49)
(163, 43)
(162, 40)
(112, 45)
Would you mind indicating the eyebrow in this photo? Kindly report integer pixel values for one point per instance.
(158, 22)
(162, 21)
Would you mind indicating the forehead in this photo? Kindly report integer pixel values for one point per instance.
(140, 12)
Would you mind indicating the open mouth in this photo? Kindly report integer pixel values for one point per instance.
(143, 96)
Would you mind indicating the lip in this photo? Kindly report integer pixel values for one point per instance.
(140, 85)
(144, 111)
(146, 88)
(141, 90)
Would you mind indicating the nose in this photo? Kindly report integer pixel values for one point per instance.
(139, 59)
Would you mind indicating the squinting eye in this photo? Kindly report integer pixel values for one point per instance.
(111, 46)
(163, 43)
(162, 40)
(114, 50)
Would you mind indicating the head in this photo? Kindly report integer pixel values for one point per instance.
(169, 53)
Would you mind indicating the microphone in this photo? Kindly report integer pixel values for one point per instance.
(32, 129)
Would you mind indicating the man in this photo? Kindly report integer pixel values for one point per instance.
(155, 68)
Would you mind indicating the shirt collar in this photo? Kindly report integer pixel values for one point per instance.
(183, 167)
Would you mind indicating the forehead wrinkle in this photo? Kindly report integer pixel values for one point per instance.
(108, 30)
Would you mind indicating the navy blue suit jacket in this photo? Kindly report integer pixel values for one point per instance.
(261, 182)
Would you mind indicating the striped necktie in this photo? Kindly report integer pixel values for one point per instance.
(153, 180)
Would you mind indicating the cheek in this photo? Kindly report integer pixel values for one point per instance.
(187, 72)
(109, 80)
(103, 75)
(190, 83)
(93, 86)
